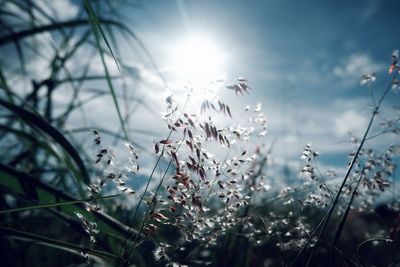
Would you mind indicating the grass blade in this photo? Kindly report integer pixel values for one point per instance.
(56, 204)
(41, 124)
(15, 178)
(55, 243)
(5, 39)
(98, 32)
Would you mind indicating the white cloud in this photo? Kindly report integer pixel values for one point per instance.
(355, 66)
(138, 71)
(97, 66)
(326, 126)
(349, 121)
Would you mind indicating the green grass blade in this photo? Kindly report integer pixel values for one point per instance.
(5, 39)
(56, 204)
(98, 32)
(96, 24)
(31, 138)
(10, 176)
(41, 124)
(50, 242)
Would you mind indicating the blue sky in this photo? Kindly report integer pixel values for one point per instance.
(304, 59)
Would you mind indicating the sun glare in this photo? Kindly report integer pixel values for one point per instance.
(198, 60)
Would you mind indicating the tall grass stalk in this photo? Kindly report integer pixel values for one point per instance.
(326, 219)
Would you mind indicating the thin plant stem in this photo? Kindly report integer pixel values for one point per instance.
(323, 180)
(350, 168)
(340, 226)
(147, 186)
(162, 179)
(56, 204)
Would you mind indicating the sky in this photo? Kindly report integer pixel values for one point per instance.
(303, 59)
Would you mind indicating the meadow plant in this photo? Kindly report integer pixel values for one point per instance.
(214, 195)
(205, 194)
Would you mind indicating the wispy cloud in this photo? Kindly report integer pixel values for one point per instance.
(349, 121)
(354, 66)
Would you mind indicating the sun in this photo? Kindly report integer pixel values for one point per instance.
(197, 59)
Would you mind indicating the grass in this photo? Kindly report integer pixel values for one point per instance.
(207, 200)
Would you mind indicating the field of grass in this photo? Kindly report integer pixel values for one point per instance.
(73, 194)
